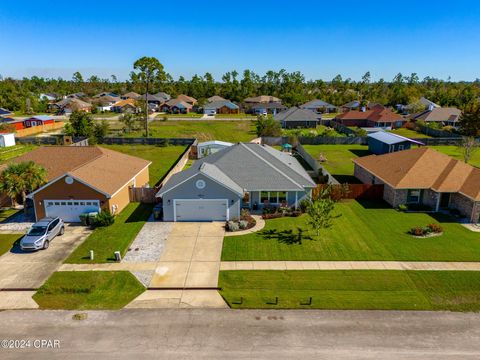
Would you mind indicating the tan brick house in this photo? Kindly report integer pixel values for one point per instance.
(424, 176)
(84, 179)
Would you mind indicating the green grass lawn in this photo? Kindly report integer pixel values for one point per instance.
(339, 159)
(410, 133)
(5, 213)
(234, 116)
(232, 131)
(364, 231)
(88, 290)
(117, 237)
(11, 152)
(353, 289)
(162, 157)
(455, 152)
(173, 116)
(7, 241)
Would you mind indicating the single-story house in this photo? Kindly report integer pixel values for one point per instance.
(221, 107)
(163, 96)
(377, 117)
(424, 176)
(7, 140)
(71, 104)
(152, 100)
(211, 147)
(444, 116)
(295, 117)
(105, 102)
(382, 142)
(38, 120)
(84, 179)
(106, 93)
(215, 98)
(262, 99)
(319, 106)
(125, 106)
(267, 108)
(245, 175)
(188, 99)
(352, 105)
(176, 106)
(130, 95)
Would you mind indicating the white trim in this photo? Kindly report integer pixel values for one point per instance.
(226, 206)
(296, 200)
(129, 181)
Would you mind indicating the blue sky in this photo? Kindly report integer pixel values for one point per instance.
(318, 38)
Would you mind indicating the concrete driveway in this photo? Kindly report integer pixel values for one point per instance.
(30, 269)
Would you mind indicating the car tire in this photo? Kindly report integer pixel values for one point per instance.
(46, 244)
(62, 231)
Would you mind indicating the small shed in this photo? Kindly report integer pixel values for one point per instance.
(38, 120)
(382, 142)
(210, 147)
(7, 140)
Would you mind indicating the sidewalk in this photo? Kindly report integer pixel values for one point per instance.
(350, 265)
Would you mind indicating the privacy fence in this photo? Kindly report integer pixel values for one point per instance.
(351, 191)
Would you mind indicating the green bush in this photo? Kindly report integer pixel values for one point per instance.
(403, 207)
(104, 219)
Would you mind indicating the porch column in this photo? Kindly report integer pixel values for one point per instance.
(437, 206)
(296, 200)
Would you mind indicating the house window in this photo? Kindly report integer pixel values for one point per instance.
(413, 196)
(282, 196)
(264, 196)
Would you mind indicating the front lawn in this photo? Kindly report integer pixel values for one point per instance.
(162, 157)
(117, 237)
(88, 290)
(352, 289)
(456, 152)
(173, 116)
(7, 241)
(338, 159)
(364, 231)
(203, 130)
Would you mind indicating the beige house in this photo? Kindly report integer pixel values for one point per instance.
(84, 179)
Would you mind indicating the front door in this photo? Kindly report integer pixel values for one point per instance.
(444, 200)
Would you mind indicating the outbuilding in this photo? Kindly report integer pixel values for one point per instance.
(382, 142)
(7, 140)
(211, 147)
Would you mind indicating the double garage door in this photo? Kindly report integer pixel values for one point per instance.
(70, 210)
(200, 210)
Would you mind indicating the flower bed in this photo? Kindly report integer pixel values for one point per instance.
(245, 222)
(278, 212)
(427, 231)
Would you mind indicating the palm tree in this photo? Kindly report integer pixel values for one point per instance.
(21, 179)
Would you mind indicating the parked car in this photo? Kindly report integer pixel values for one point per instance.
(41, 233)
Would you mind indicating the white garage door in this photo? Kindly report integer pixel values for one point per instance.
(200, 210)
(70, 210)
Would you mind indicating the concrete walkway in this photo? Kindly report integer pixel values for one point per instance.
(350, 265)
(260, 224)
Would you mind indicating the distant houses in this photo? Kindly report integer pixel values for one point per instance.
(448, 116)
(379, 116)
(69, 105)
(220, 107)
(295, 117)
(263, 105)
(319, 107)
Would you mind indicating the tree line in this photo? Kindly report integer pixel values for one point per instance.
(292, 87)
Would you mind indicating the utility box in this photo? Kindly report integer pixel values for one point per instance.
(118, 257)
(7, 140)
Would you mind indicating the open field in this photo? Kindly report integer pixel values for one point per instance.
(162, 157)
(231, 131)
(117, 237)
(88, 290)
(353, 289)
(369, 230)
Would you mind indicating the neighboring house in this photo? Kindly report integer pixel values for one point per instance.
(5, 112)
(125, 106)
(319, 107)
(221, 107)
(38, 120)
(377, 117)
(444, 116)
(382, 142)
(188, 99)
(429, 105)
(244, 175)
(105, 102)
(77, 95)
(424, 176)
(215, 98)
(211, 147)
(13, 124)
(69, 105)
(50, 97)
(267, 108)
(176, 106)
(163, 96)
(7, 140)
(154, 102)
(262, 99)
(295, 117)
(107, 93)
(352, 105)
(84, 179)
(131, 95)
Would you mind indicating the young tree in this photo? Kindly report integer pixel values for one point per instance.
(319, 211)
(148, 71)
(468, 147)
(100, 130)
(80, 124)
(267, 126)
(129, 122)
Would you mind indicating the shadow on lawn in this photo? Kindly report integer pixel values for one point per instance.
(359, 152)
(374, 204)
(288, 237)
(141, 213)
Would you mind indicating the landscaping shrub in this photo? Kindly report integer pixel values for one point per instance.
(103, 219)
(232, 226)
(417, 231)
(402, 207)
(435, 228)
(243, 224)
(424, 231)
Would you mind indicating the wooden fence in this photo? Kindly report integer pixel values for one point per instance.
(143, 194)
(39, 129)
(352, 191)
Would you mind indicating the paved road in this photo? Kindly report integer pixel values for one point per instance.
(220, 334)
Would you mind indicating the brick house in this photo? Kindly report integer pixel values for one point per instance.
(378, 116)
(424, 176)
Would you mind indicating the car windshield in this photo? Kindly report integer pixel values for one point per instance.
(37, 230)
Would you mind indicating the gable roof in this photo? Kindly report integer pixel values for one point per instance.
(390, 139)
(262, 99)
(352, 104)
(126, 102)
(40, 117)
(217, 104)
(69, 102)
(178, 103)
(251, 167)
(439, 114)
(270, 105)
(424, 168)
(317, 104)
(377, 114)
(163, 95)
(215, 98)
(103, 169)
(296, 114)
(131, 95)
(428, 103)
(187, 99)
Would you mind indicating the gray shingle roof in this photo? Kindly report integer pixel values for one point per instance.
(296, 114)
(251, 167)
(217, 104)
(317, 104)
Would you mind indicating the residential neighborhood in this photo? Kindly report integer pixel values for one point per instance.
(164, 200)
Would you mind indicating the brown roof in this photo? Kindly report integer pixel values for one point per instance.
(424, 168)
(125, 102)
(262, 99)
(215, 98)
(377, 114)
(439, 114)
(103, 169)
(187, 99)
(132, 95)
